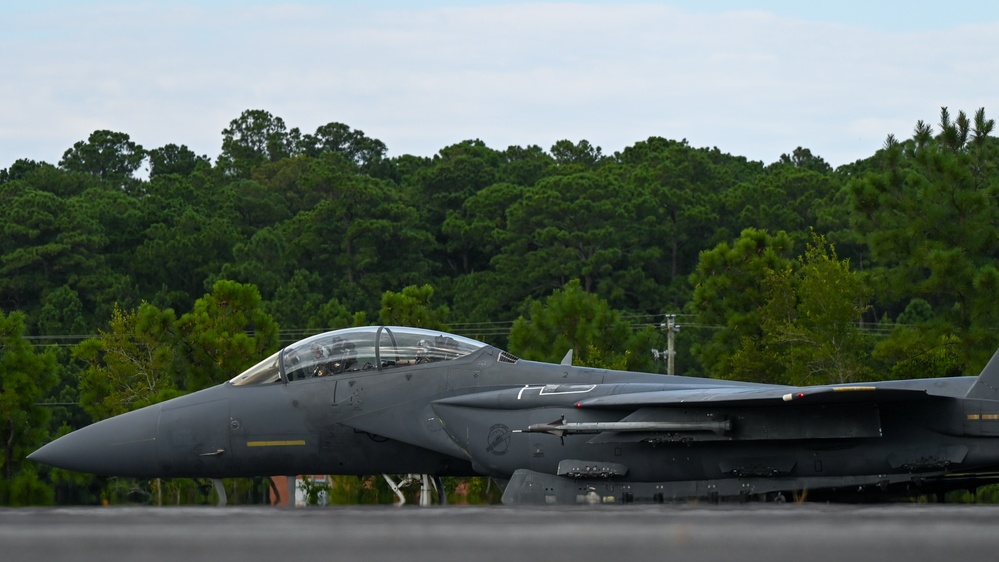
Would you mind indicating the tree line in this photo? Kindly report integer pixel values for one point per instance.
(129, 275)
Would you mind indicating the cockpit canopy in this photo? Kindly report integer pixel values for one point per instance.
(358, 349)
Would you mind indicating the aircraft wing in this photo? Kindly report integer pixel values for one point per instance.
(740, 396)
(724, 412)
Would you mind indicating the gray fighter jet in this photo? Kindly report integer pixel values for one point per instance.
(403, 400)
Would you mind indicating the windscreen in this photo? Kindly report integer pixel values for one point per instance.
(358, 349)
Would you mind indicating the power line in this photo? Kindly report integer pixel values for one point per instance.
(636, 321)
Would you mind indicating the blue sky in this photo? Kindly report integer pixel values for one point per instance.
(755, 78)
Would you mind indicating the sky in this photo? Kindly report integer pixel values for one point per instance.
(751, 78)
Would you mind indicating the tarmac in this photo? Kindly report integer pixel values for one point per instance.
(772, 532)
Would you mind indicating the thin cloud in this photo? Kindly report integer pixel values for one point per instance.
(752, 83)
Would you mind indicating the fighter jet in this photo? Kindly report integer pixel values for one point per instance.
(402, 400)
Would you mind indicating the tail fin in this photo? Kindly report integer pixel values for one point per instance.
(987, 385)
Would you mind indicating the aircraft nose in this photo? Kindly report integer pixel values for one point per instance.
(124, 445)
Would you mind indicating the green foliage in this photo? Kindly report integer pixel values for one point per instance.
(581, 226)
(802, 158)
(62, 313)
(411, 307)
(182, 491)
(809, 324)
(298, 301)
(929, 214)
(362, 237)
(106, 154)
(34, 252)
(315, 492)
(25, 377)
(226, 332)
(333, 316)
(176, 259)
(988, 494)
(131, 364)
(572, 319)
(262, 261)
(327, 228)
(19, 169)
(525, 165)
(457, 172)
(730, 286)
(352, 490)
(910, 353)
(785, 197)
(473, 234)
(25, 488)
(576, 156)
(173, 159)
(472, 491)
(253, 138)
(680, 201)
(366, 153)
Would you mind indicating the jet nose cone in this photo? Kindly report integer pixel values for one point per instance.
(124, 445)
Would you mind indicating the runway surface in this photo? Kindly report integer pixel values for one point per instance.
(772, 532)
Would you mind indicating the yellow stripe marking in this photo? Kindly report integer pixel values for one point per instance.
(990, 416)
(293, 443)
(853, 388)
(974, 417)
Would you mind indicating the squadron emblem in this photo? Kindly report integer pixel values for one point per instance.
(498, 440)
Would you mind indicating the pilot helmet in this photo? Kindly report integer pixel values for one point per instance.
(317, 350)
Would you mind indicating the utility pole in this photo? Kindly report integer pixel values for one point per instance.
(671, 329)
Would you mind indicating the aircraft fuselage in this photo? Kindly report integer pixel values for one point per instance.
(381, 402)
